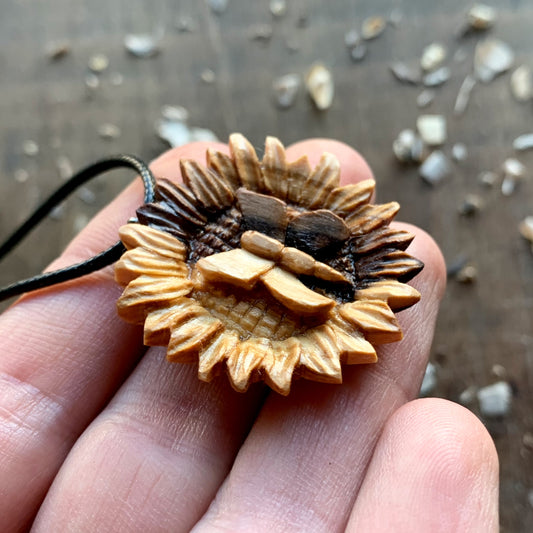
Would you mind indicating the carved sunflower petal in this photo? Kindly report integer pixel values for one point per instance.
(212, 191)
(279, 365)
(181, 201)
(275, 170)
(159, 323)
(370, 217)
(344, 200)
(385, 237)
(354, 348)
(299, 172)
(374, 318)
(138, 262)
(293, 294)
(246, 162)
(324, 178)
(191, 336)
(320, 355)
(238, 267)
(245, 359)
(397, 295)
(217, 352)
(224, 167)
(157, 241)
(399, 265)
(159, 217)
(147, 293)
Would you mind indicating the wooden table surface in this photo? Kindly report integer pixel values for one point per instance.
(481, 325)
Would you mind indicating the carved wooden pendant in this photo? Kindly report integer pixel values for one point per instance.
(267, 269)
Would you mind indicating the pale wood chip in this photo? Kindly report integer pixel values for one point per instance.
(238, 267)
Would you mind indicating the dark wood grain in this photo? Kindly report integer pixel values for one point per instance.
(487, 323)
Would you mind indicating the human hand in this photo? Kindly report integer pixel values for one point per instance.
(98, 433)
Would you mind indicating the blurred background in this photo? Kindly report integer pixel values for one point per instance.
(83, 80)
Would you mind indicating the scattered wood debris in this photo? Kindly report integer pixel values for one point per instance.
(406, 73)
(432, 129)
(109, 131)
(185, 24)
(526, 229)
(208, 76)
(463, 96)
(408, 147)
(435, 168)
(481, 17)
(487, 178)
(522, 84)
(173, 128)
(495, 400)
(471, 205)
(58, 50)
(523, 142)
(286, 89)
(492, 57)
(86, 195)
(467, 275)
(430, 380)
(278, 8)
(437, 77)
(30, 148)
(373, 27)
(64, 167)
(142, 45)
(21, 175)
(513, 171)
(459, 152)
(425, 98)
(320, 85)
(433, 56)
(98, 63)
(261, 33)
(217, 6)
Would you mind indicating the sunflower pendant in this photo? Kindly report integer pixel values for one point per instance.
(267, 269)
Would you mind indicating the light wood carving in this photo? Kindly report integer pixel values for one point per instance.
(269, 270)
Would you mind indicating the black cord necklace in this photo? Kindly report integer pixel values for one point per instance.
(99, 261)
